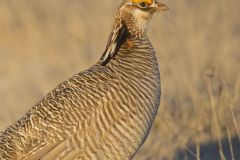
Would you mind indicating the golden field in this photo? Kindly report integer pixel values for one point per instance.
(42, 43)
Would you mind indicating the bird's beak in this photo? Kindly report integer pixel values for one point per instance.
(160, 6)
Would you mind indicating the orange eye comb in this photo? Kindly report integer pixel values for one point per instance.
(147, 1)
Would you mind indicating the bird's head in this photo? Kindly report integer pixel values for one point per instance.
(131, 21)
(136, 14)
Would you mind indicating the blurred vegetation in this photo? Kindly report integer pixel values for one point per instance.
(43, 43)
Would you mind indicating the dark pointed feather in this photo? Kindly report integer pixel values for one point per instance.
(116, 39)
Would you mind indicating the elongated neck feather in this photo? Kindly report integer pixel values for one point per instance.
(128, 25)
(117, 37)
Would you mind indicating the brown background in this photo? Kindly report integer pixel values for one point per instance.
(43, 43)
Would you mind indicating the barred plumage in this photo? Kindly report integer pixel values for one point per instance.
(105, 112)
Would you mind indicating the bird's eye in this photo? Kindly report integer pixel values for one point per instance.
(143, 5)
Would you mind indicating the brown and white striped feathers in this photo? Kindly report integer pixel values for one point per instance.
(103, 113)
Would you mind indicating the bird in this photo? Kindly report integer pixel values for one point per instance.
(103, 113)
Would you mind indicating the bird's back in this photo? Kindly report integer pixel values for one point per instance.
(106, 111)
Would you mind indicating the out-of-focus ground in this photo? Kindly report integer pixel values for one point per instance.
(42, 43)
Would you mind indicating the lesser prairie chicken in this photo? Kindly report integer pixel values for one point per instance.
(105, 112)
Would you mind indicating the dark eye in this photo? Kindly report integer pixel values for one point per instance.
(143, 5)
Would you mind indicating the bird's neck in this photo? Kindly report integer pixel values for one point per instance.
(136, 52)
(119, 38)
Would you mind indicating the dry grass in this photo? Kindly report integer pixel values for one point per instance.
(43, 43)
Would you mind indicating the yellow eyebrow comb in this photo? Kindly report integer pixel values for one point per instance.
(147, 1)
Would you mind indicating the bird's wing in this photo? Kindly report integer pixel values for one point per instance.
(46, 132)
(63, 150)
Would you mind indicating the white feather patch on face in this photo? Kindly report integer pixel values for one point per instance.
(141, 18)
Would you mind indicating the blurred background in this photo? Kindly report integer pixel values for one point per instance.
(43, 43)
